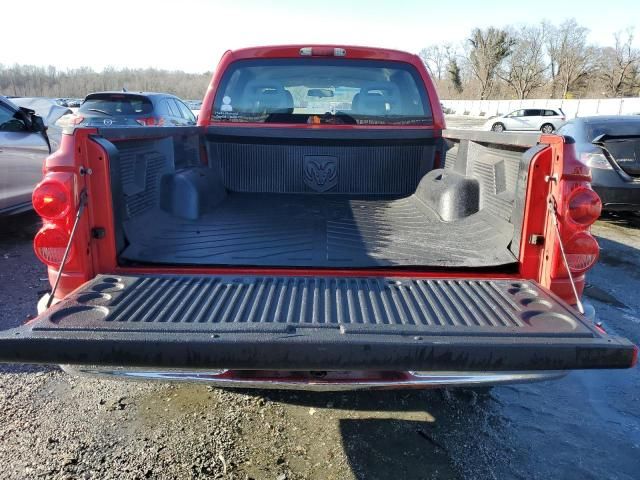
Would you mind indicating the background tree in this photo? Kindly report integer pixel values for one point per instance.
(524, 70)
(544, 60)
(571, 59)
(35, 81)
(619, 66)
(435, 58)
(454, 75)
(489, 47)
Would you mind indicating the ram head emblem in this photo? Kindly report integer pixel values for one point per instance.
(320, 172)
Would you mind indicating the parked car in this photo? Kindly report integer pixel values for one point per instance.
(23, 147)
(119, 109)
(194, 104)
(279, 243)
(610, 147)
(50, 112)
(545, 120)
(73, 102)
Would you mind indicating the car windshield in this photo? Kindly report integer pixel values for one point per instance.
(115, 104)
(335, 91)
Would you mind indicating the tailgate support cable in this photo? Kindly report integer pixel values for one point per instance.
(81, 206)
(554, 217)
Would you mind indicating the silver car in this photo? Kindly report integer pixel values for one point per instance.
(545, 120)
(23, 147)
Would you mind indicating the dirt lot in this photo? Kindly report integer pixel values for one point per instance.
(586, 425)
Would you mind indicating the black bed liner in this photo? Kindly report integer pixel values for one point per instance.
(314, 323)
(254, 203)
(321, 231)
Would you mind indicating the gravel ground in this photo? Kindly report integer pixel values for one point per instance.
(587, 425)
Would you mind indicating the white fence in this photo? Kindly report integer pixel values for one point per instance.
(571, 108)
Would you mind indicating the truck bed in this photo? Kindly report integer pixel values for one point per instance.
(252, 204)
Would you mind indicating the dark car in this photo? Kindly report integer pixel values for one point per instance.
(610, 146)
(120, 109)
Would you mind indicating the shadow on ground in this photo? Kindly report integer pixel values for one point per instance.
(622, 219)
(405, 434)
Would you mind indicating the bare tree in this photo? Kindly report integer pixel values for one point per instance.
(620, 65)
(571, 59)
(30, 80)
(489, 48)
(524, 70)
(436, 58)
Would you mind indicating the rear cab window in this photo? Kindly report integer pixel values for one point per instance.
(322, 91)
(115, 104)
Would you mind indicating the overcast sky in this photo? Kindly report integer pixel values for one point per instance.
(191, 35)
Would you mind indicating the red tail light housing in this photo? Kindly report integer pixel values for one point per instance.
(582, 252)
(52, 197)
(584, 206)
(50, 244)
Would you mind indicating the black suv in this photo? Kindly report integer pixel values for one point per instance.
(120, 109)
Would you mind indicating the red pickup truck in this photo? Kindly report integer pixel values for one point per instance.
(318, 228)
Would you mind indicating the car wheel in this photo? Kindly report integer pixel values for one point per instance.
(498, 127)
(547, 128)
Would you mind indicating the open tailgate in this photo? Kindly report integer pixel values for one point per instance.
(314, 323)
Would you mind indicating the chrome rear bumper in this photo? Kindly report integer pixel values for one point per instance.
(318, 381)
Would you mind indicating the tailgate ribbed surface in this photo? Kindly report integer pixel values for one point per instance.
(296, 300)
(370, 303)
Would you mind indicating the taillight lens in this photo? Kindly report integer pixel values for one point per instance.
(51, 199)
(150, 121)
(584, 206)
(582, 252)
(50, 243)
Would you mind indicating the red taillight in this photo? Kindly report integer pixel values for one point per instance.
(150, 121)
(582, 252)
(584, 206)
(51, 199)
(634, 358)
(50, 244)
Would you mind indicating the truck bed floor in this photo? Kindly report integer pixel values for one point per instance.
(319, 231)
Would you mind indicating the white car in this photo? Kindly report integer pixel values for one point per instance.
(545, 120)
